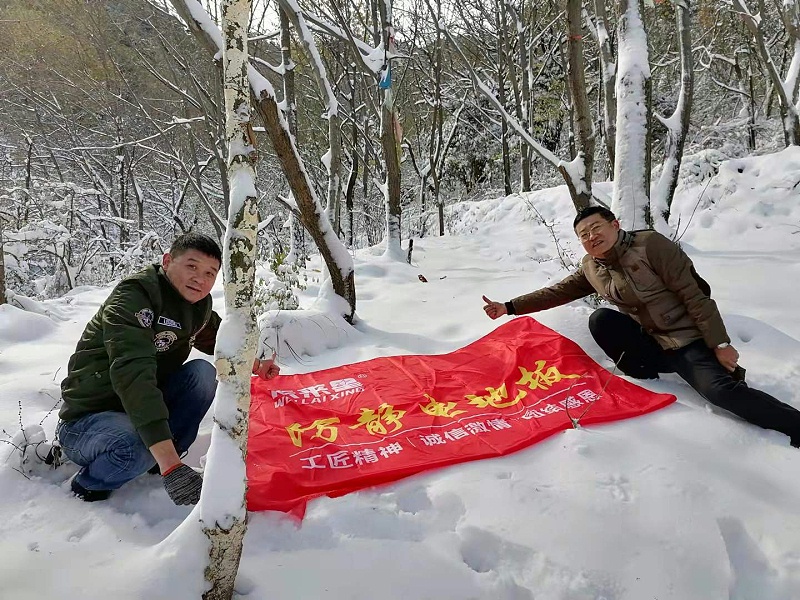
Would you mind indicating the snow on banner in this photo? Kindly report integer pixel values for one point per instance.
(339, 430)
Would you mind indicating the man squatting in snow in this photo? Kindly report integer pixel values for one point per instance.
(131, 402)
(666, 323)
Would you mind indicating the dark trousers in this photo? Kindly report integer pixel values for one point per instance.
(637, 354)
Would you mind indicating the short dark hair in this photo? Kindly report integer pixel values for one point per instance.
(195, 241)
(587, 212)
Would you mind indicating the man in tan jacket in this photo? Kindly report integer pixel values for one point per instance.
(666, 323)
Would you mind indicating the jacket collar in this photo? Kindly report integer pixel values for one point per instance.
(624, 241)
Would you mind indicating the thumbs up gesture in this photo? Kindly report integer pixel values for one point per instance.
(494, 309)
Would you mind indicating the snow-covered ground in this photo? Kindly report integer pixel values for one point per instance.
(685, 503)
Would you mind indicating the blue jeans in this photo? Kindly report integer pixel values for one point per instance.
(107, 445)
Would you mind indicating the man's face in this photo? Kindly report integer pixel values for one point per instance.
(192, 273)
(597, 235)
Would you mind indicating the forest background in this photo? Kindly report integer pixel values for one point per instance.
(112, 121)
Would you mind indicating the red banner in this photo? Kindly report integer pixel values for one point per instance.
(339, 430)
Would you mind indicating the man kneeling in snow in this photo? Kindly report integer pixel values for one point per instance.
(130, 403)
(667, 321)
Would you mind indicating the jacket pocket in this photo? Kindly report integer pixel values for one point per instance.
(672, 316)
(90, 385)
(643, 277)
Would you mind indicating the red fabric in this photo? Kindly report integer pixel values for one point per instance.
(339, 430)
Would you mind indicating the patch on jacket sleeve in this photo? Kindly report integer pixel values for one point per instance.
(164, 340)
(169, 322)
(145, 317)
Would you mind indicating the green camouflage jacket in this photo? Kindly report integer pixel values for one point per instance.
(141, 334)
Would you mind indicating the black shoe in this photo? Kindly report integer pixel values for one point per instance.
(88, 495)
(154, 470)
(795, 442)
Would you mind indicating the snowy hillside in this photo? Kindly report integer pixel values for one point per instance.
(686, 503)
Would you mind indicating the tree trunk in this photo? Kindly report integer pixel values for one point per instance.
(333, 158)
(435, 140)
(678, 124)
(349, 195)
(631, 196)
(223, 513)
(504, 34)
(525, 68)
(389, 144)
(569, 113)
(221, 159)
(423, 188)
(580, 100)
(297, 254)
(501, 97)
(352, 178)
(751, 113)
(289, 98)
(139, 197)
(2, 266)
(607, 75)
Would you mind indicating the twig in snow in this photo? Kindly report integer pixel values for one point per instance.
(563, 257)
(678, 239)
(49, 412)
(576, 422)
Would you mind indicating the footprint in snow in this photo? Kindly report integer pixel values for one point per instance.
(521, 573)
(752, 575)
(618, 486)
(77, 534)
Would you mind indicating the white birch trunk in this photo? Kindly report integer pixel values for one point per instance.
(223, 513)
(630, 201)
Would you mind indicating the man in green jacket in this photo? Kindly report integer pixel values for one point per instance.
(131, 402)
(666, 323)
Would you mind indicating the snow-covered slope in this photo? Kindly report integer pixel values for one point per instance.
(686, 503)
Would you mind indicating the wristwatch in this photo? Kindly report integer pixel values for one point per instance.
(723, 345)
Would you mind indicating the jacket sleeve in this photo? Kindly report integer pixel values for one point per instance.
(132, 361)
(571, 288)
(206, 338)
(675, 268)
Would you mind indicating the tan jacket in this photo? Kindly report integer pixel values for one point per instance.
(649, 278)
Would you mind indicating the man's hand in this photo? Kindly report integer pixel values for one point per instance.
(494, 309)
(183, 484)
(266, 369)
(728, 357)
